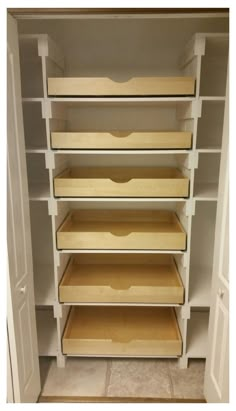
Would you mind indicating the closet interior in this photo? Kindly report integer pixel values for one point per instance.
(123, 123)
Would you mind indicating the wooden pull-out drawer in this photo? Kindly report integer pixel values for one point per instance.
(122, 140)
(121, 182)
(122, 279)
(137, 86)
(121, 229)
(137, 331)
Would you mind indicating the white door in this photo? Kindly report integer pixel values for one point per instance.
(21, 320)
(216, 385)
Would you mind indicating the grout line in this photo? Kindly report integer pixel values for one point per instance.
(107, 379)
(170, 380)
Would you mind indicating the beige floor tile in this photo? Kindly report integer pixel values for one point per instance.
(187, 383)
(80, 377)
(139, 378)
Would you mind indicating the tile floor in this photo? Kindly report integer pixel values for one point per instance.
(160, 378)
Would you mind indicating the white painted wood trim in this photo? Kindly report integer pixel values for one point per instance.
(10, 393)
(120, 16)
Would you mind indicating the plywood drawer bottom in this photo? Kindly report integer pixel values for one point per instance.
(126, 279)
(122, 331)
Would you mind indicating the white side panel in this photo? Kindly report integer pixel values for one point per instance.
(217, 365)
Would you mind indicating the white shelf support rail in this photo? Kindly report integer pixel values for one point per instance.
(54, 110)
(190, 208)
(61, 360)
(50, 160)
(185, 312)
(48, 48)
(57, 310)
(183, 362)
(186, 111)
(185, 260)
(195, 47)
(61, 322)
(52, 207)
(52, 59)
(190, 63)
(188, 161)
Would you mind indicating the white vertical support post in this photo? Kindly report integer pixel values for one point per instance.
(184, 316)
(200, 47)
(45, 115)
(190, 64)
(183, 362)
(48, 50)
(42, 52)
(190, 61)
(61, 360)
(61, 321)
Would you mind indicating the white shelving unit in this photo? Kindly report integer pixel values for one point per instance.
(44, 286)
(207, 175)
(206, 191)
(197, 334)
(38, 192)
(47, 333)
(43, 114)
(200, 286)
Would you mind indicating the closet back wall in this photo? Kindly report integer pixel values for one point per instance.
(102, 47)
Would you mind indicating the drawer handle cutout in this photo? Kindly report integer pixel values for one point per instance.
(120, 180)
(121, 233)
(120, 287)
(120, 79)
(120, 134)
